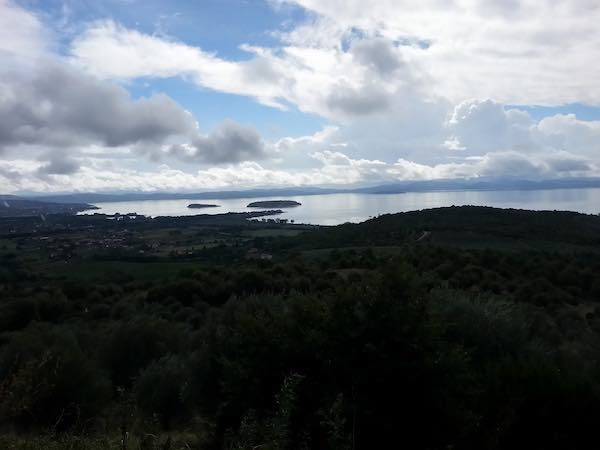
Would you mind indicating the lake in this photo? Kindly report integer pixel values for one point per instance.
(333, 209)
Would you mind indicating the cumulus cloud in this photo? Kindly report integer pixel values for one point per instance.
(405, 88)
(574, 165)
(20, 31)
(230, 142)
(133, 54)
(334, 168)
(484, 125)
(547, 165)
(361, 101)
(329, 81)
(567, 132)
(53, 105)
(541, 52)
(479, 126)
(380, 54)
(59, 165)
(50, 111)
(361, 82)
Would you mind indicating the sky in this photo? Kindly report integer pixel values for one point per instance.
(183, 95)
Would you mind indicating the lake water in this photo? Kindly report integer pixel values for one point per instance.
(334, 209)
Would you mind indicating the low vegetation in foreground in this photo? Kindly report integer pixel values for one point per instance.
(456, 328)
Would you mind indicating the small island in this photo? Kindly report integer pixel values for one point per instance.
(201, 205)
(274, 204)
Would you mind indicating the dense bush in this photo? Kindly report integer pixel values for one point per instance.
(47, 380)
(130, 346)
(17, 314)
(162, 389)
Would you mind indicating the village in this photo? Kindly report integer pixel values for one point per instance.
(73, 241)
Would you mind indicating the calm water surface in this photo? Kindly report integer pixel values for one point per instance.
(334, 209)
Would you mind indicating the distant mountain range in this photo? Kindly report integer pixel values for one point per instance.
(139, 196)
(480, 185)
(390, 188)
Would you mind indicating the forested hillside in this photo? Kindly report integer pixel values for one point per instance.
(463, 328)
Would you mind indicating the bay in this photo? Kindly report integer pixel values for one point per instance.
(333, 209)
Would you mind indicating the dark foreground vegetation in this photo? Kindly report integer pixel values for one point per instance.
(456, 328)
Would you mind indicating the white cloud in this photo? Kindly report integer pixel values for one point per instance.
(229, 142)
(328, 81)
(479, 126)
(51, 112)
(20, 32)
(543, 52)
(53, 105)
(376, 85)
(111, 51)
(402, 84)
(334, 169)
(566, 132)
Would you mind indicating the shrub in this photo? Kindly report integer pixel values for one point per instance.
(131, 346)
(47, 380)
(17, 314)
(162, 389)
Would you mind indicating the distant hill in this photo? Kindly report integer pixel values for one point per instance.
(479, 184)
(14, 206)
(468, 227)
(140, 196)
